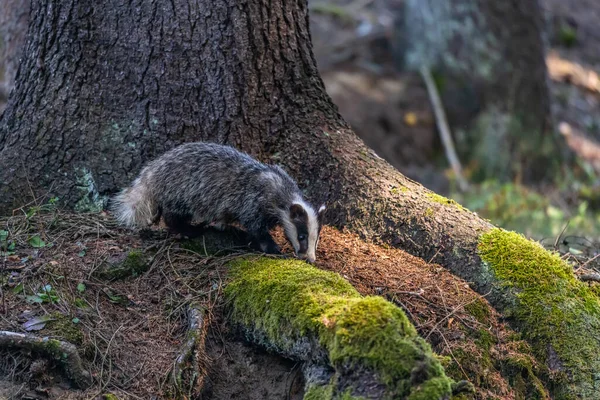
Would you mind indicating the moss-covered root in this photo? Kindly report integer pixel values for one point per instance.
(557, 314)
(63, 352)
(190, 369)
(367, 344)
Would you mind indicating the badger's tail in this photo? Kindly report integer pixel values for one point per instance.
(135, 206)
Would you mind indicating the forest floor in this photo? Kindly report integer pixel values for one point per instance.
(129, 330)
(58, 280)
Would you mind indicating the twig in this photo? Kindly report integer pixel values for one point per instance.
(103, 385)
(65, 353)
(589, 261)
(456, 309)
(442, 123)
(590, 277)
(561, 233)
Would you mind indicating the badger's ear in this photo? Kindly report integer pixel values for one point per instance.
(321, 214)
(297, 211)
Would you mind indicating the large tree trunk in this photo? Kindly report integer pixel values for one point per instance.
(490, 57)
(105, 86)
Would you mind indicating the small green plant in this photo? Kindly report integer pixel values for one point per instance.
(7, 247)
(36, 242)
(515, 207)
(49, 206)
(18, 289)
(80, 303)
(47, 295)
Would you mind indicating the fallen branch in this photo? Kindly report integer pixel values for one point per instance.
(442, 124)
(590, 277)
(63, 352)
(192, 356)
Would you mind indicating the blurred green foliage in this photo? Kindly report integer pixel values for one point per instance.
(567, 36)
(515, 207)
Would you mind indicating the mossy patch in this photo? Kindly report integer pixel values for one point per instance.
(398, 189)
(522, 378)
(480, 310)
(326, 392)
(445, 201)
(288, 299)
(133, 263)
(64, 328)
(557, 314)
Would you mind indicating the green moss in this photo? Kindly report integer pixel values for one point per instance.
(429, 212)
(521, 375)
(62, 326)
(595, 288)
(134, 264)
(109, 396)
(444, 200)
(80, 303)
(551, 307)
(315, 392)
(485, 340)
(289, 299)
(398, 190)
(480, 310)
(54, 347)
(476, 364)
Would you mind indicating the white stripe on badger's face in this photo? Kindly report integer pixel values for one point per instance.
(313, 234)
(290, 231)
(312, 225)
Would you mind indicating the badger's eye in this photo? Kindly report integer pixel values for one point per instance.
(301, 237)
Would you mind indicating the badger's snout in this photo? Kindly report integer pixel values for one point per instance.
(307, 257)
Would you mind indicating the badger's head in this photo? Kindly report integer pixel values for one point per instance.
(302, 227)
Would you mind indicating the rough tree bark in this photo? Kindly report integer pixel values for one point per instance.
(489, 56)
(13, 26)
(99, 93)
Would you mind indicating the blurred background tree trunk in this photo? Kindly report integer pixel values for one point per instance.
(14, 17)
(487, 57)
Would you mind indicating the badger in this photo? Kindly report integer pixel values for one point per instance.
(212, 184)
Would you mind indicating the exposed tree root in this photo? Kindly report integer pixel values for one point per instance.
(190, 369)
(63, 352)
(350, 345)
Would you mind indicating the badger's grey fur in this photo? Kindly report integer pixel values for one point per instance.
(209, 183)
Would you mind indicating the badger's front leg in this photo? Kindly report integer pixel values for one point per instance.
(265, 243)
(261, 238)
